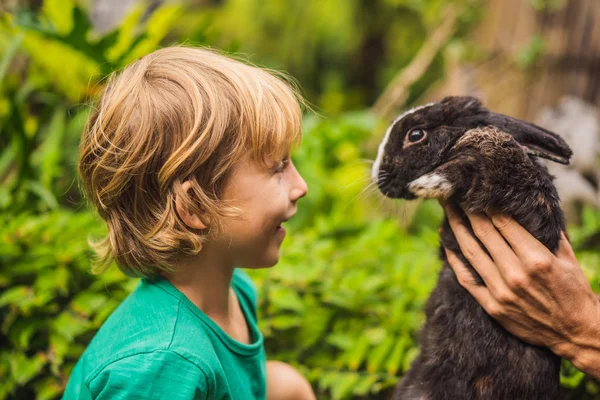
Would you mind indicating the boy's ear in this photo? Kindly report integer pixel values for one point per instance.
(192, 220)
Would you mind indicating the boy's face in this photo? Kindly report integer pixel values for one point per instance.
(266, 197)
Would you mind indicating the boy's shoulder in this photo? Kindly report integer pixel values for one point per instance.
(157, 340)
(155, 317)
(150, 320)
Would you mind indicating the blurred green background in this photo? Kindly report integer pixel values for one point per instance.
(345, 303)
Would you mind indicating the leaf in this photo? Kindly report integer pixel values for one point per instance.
(48, 389)
(157, 27)
(364, 385)
(385, 384)
(9, 319)
(342, 388)
(70, 326)
(47, 156)
(380, 353)
(126, 33)
(23, 298)
(23, 369)
(572, 381)
(58, 348)
(328, 379)
(22, 330)
(14, 295)
(394, 362)
(530, 53)
(42, 192)
(342, 299)
(284, 322)
(314, 324)
(104, 311)
(54, 280)
(357, 354)
(411, 355)
(342, 341)
(285, 298)
(8, 382)
(9, 54)
(87, 303)
(375, 335)
(54, 57)
(60, 12)
(20, 144)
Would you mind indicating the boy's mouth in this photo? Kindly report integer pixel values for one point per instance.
(280, 231)
(280, 227)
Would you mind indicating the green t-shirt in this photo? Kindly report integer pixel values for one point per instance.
(158, 345)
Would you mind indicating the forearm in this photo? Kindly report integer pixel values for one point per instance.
(588, 361)
(585, 359)
(583, 350)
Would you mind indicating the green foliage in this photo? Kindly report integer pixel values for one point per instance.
(530, 53)
(40, 113)
(549, 5)
(343, 52)
(50, 305)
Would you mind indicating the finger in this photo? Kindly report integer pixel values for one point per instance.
(521, 241)
(451, 213)
(502, 254)
(472, 251)
(466, 280)
(564, 248)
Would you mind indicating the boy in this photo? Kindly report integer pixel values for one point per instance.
(186, 157)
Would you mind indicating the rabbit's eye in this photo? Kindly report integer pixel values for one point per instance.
(415, 135)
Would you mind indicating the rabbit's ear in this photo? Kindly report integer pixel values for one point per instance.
(461, 104)
(537, 141)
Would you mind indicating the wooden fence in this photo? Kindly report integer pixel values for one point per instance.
(569, 62)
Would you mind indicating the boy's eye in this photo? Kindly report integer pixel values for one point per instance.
(281, 165)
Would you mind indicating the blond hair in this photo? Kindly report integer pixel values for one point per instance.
(177, 114)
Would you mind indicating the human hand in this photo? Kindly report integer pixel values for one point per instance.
(540, 297)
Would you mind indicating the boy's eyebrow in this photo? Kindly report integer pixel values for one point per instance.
(274, 158)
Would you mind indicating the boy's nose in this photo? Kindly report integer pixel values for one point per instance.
(299, 187)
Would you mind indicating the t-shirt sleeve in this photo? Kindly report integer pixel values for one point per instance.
(159, 374)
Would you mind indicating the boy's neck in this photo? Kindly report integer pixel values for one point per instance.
(206, 282)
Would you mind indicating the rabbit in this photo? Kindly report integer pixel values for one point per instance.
(461, 152)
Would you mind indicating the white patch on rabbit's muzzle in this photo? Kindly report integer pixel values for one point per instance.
(431, 186)
(381, 151)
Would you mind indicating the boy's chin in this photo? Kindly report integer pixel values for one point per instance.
(267, 262)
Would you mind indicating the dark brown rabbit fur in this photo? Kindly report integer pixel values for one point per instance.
(461, 152)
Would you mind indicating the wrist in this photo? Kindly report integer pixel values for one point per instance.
(587, 361)
(582, 348)
(567, 350)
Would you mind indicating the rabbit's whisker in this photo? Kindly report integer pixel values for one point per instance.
(369, 189)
